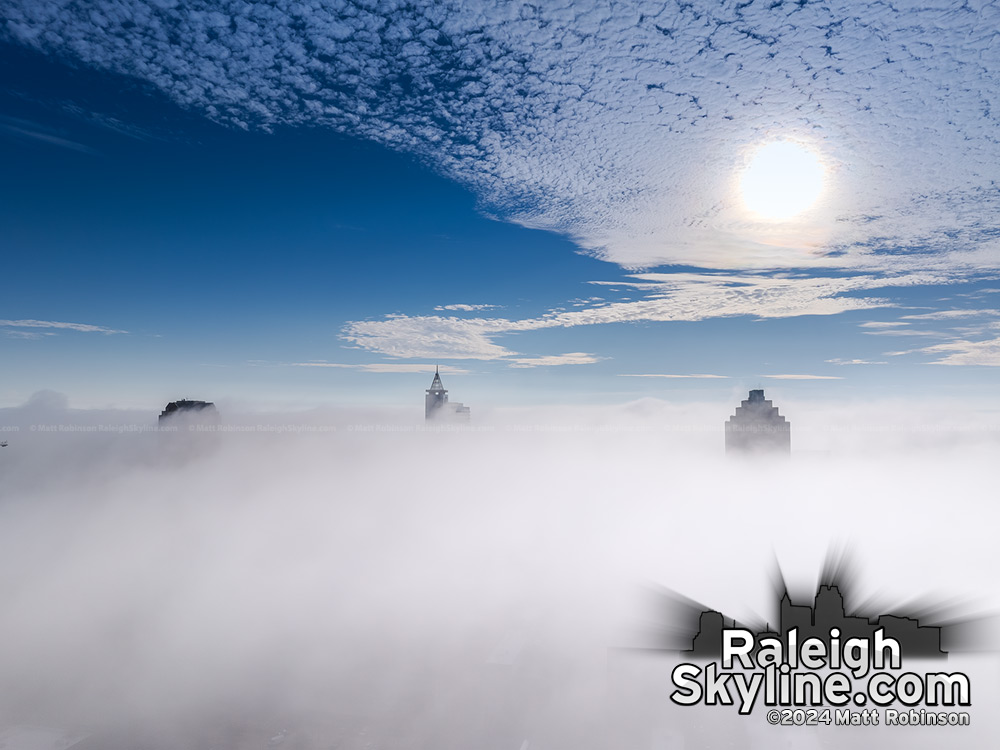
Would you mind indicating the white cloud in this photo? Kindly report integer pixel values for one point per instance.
(668, 297)
(622, 127)
(215, 585)
(583, 302)
(904, 332)
(464, 308)
(382, 367)
(882, 324)
(25, 130)
(952, 314)
(661, 375)
(961, 352)
(853, 362)
(84, 327)
(431, 337)
(28, 335)
(978, 293)
(572, 358)
(802, 377)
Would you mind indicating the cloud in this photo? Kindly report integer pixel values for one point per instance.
(83, 327)
(979, 292)
(573, 358)
(382, 367)
(623, 128)
(667, 297)
(431, 337)
(27, 335)
(26, 130)
(985, 353)
(803, 377)
(903, 332)
(338, 584)
(853, 362)
(661, 375)
(963, 343)
(47, 400)
(882, 324)
(951, 314)
(464, 308)
(112, 123)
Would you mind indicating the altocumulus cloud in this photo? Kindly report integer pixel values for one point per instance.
(620, 126)
(623, 127)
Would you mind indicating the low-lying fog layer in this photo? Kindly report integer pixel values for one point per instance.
(355, 580)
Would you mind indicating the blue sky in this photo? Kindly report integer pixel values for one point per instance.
(305, 205)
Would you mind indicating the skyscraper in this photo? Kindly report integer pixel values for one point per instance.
(190, 412)
(437, 406)
(756, 427)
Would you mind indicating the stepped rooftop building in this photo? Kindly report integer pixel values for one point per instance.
(438, 407)
(195, 412)
(756, 427)
(826, 612)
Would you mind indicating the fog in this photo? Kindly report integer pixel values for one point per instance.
(352, 578)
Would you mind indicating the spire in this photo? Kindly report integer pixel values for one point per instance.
(436, 385)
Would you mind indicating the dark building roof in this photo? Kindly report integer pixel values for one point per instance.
(203, 410)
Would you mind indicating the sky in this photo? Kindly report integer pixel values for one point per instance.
(304, 203)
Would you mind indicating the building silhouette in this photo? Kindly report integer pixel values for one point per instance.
(826, 612)
(438, 407)
(194, 412)
(756, 427)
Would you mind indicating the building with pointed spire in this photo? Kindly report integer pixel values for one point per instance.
(437, 405)
(756, 427)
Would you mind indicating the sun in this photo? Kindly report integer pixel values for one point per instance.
(783, 179)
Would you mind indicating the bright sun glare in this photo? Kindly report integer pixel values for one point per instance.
(782, 180)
